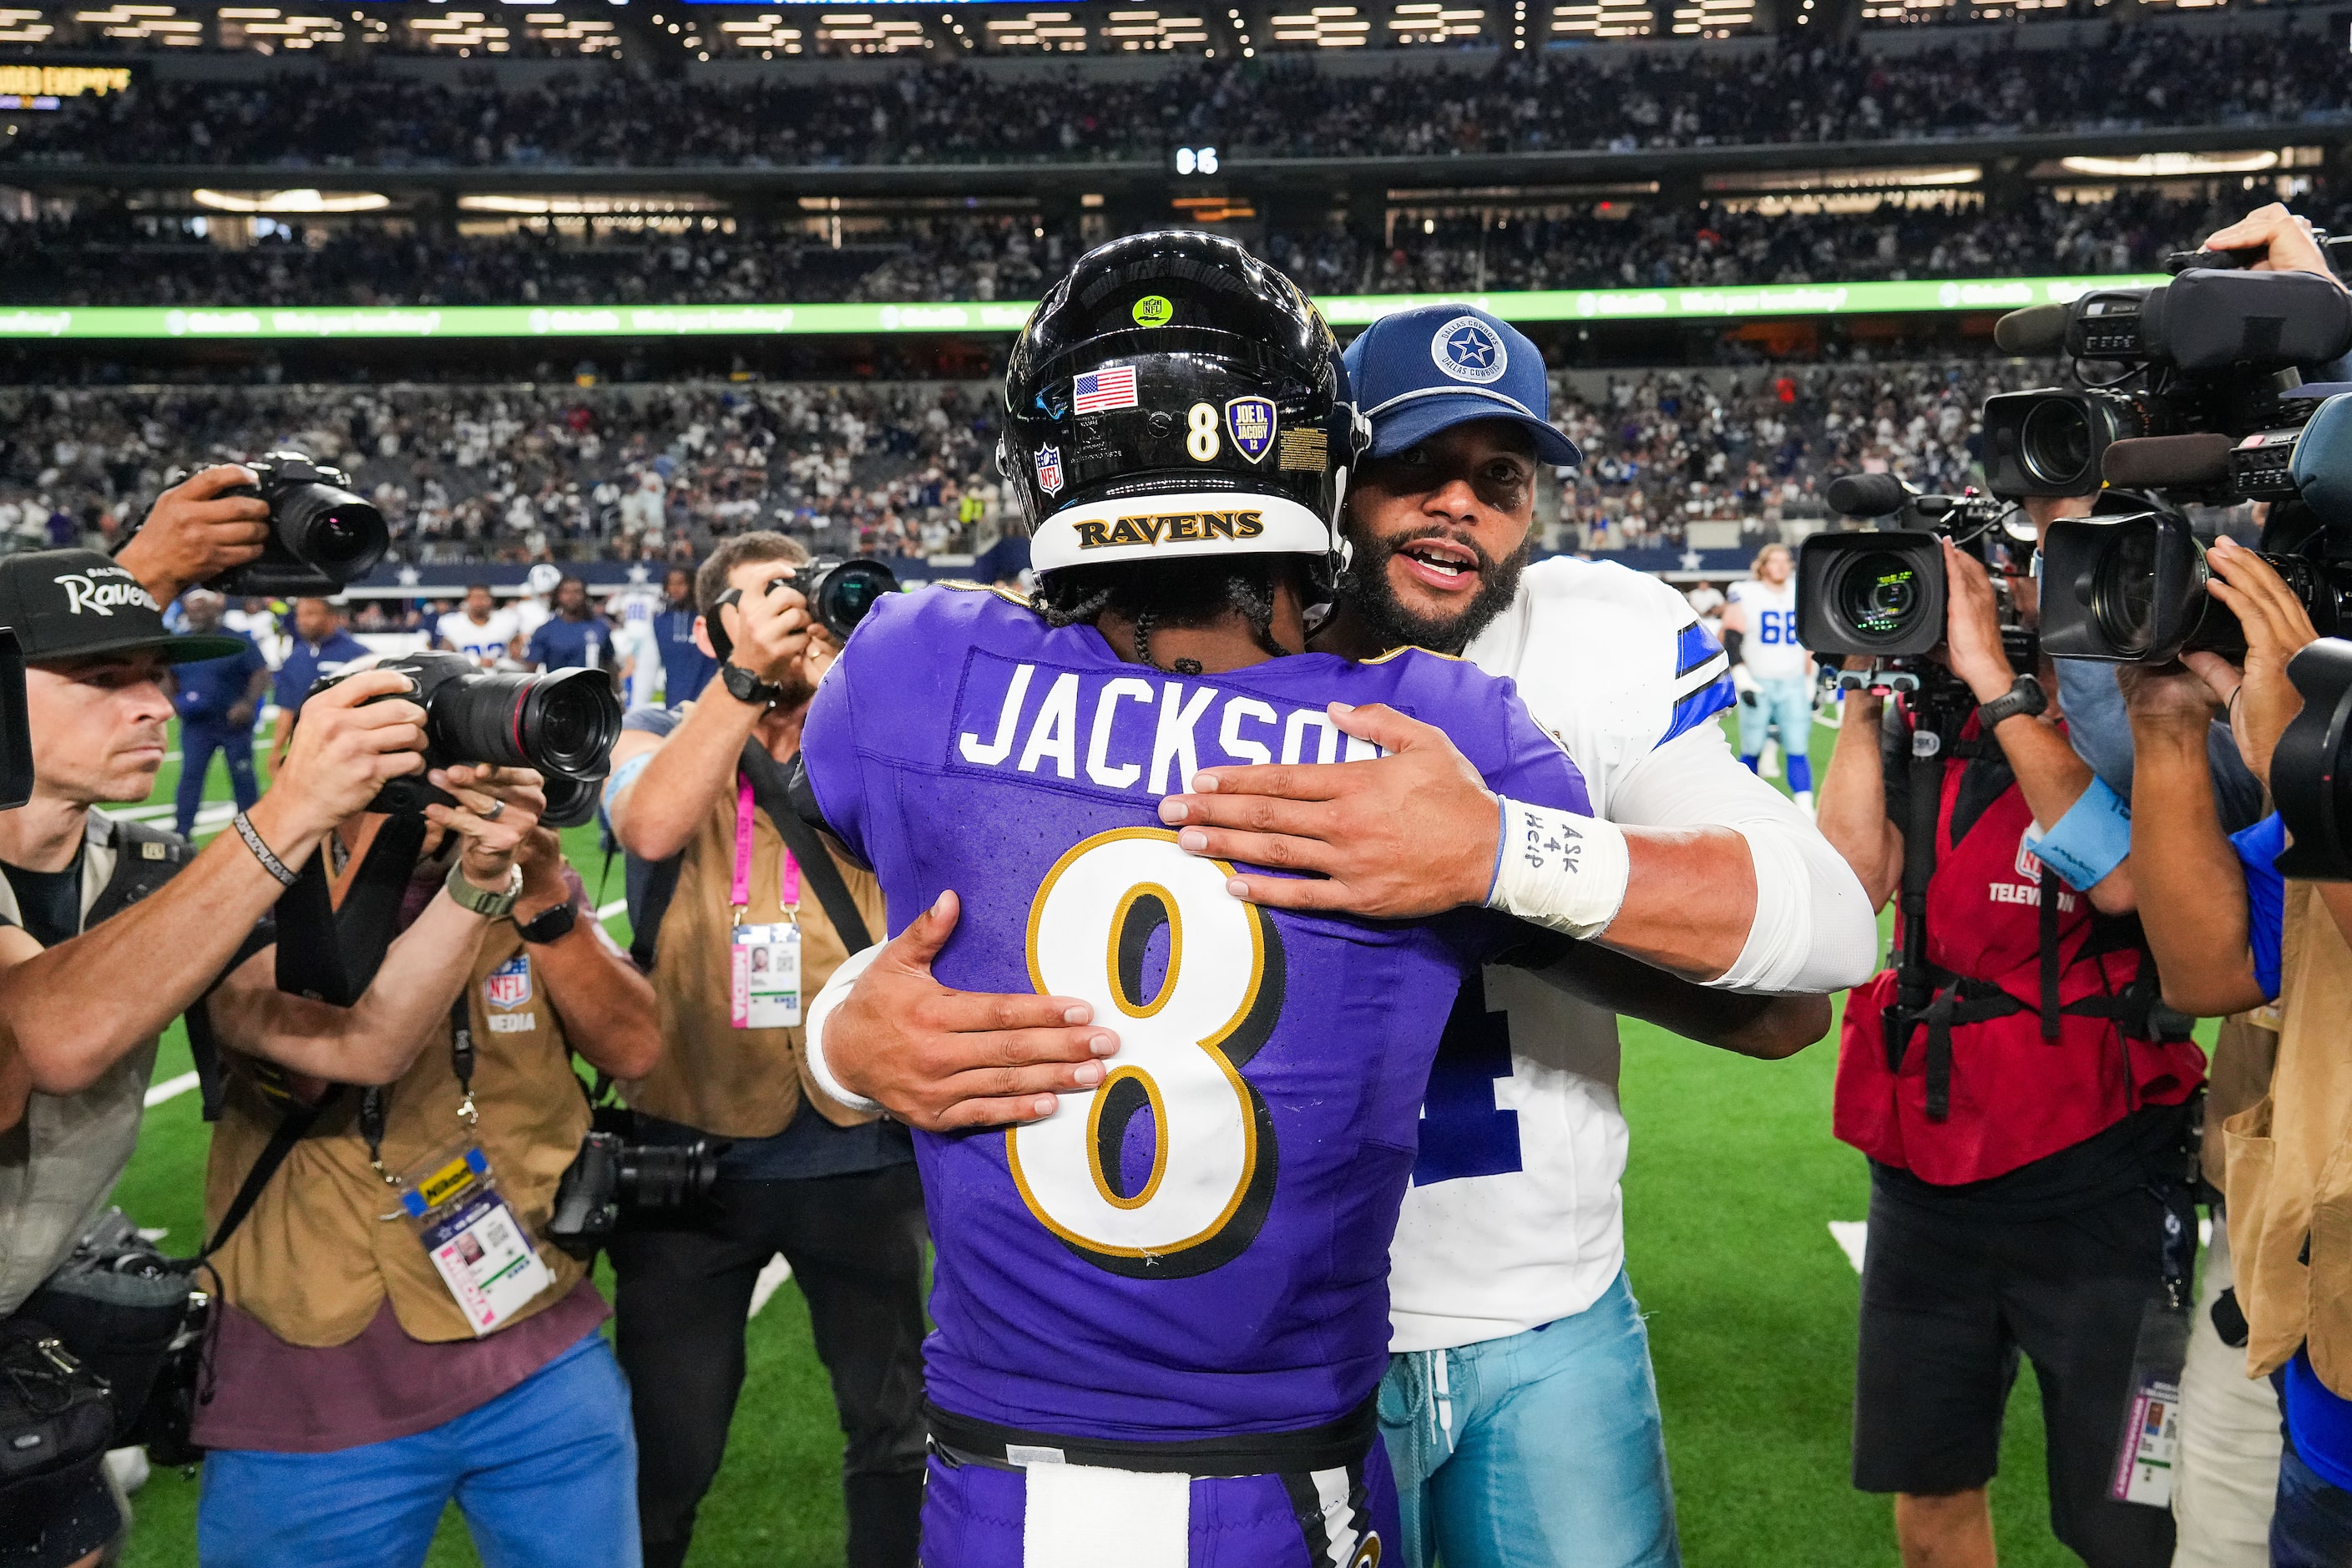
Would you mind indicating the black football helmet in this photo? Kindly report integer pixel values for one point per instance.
(1176, 397)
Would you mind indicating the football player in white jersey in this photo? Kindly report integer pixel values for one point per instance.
(1519, 1410)
(1770, 667)
(480, 630)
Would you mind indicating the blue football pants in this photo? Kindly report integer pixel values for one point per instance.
(1541, 1450)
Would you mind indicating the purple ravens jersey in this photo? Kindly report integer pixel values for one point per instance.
(1198, 1246)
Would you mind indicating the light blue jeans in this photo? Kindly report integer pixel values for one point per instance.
(546, 1475)
(1542, 1451)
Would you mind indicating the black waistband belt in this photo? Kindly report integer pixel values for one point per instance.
(1333, 1445)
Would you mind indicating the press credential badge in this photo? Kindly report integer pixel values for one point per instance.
(480, 1248)
(767, 975)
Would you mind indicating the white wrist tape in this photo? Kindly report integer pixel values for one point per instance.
(1558, 869)
(820, 1010)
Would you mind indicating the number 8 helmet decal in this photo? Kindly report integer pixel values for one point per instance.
(1224, 428)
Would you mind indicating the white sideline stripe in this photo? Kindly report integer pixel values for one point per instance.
(770, 1279)
(617, 907)
(170, 1088)
(1853, 1236)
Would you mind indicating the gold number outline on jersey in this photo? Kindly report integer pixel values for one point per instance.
(1230, 1046)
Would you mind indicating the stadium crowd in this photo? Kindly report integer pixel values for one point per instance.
(662, 472)
(1535, 102)
(112, 257)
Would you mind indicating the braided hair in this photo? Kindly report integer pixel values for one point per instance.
(1157, 594)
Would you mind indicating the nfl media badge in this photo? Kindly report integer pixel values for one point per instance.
(1049, 469)
(1251, 420)
(508, 985)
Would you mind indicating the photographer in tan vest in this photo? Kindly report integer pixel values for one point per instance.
(399, 1333)
(739, 913)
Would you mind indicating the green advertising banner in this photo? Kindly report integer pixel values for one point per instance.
(1762, 301)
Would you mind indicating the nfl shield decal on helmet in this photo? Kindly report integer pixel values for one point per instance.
(1251, 420)
(1049, 469)
(1467, 349)
(508, 985)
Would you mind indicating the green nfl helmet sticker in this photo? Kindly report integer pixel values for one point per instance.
(1154, 310)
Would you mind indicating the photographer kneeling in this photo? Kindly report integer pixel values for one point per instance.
(110, 930)
(2024, 1116)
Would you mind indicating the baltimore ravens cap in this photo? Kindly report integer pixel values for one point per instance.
(76, 604)
(1418, 372)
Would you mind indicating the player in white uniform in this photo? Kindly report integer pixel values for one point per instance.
(537, 603)
(480, 630)
(1771, 668)
(631, 611)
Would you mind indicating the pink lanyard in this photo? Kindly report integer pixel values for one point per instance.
(788, 874)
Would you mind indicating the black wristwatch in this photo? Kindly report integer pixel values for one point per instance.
(550, 924)
(745, 687)
(2024, 696)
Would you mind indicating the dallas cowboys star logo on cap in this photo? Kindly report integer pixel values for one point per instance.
(1467, 349)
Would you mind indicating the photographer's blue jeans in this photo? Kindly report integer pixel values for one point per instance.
(1541, 1450)
(546, 1475)
(2311, 1525)
(199, 739)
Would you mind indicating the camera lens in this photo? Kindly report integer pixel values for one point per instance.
(845, 592)
(1878, 593)
(2123, 589)
(330, 529)
(2055, 442)
(662, 1176)
(563, 723)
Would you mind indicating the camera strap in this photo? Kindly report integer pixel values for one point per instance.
(331, 952)
(770, 790)
(376, 1097)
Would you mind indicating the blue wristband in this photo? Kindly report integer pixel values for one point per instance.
(2091, 840)
(627, 775)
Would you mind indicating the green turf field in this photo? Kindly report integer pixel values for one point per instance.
(1733, 1183)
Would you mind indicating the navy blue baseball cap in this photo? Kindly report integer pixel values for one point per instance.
(1418, 372)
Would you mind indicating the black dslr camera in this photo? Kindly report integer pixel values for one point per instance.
(839, 592)
(2211, 351)
(1881, 593)
(2311, 769)
(611, 1178)
(323, 537)
(562, 723)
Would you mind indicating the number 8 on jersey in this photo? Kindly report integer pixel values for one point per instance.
(1203, 1192)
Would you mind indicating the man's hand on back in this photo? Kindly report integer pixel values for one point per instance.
(194, 532)
(945, 1061)
(1395, 837)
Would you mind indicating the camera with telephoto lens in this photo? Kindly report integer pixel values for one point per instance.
(323, 537)
(839, 593)
(563, 723)
(2131, 590)
(1881, 593)
(2212, 351)
(2311, 767)
(612, 1178)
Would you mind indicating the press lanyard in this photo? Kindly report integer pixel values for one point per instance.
(461, 1062)
(788, 873)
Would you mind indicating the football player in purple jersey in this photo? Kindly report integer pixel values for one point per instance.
(1161, 1309)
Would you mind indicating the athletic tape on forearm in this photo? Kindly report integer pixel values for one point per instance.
(2090, 841)
(835, 990)
(1558, 869)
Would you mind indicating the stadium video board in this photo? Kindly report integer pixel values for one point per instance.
(295, 322)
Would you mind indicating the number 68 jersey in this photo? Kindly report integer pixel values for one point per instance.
(1198, 1246)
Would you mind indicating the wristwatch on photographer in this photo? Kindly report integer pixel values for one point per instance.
(552, 923)
(2024, 696)
(745, 687)
(489, 906)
